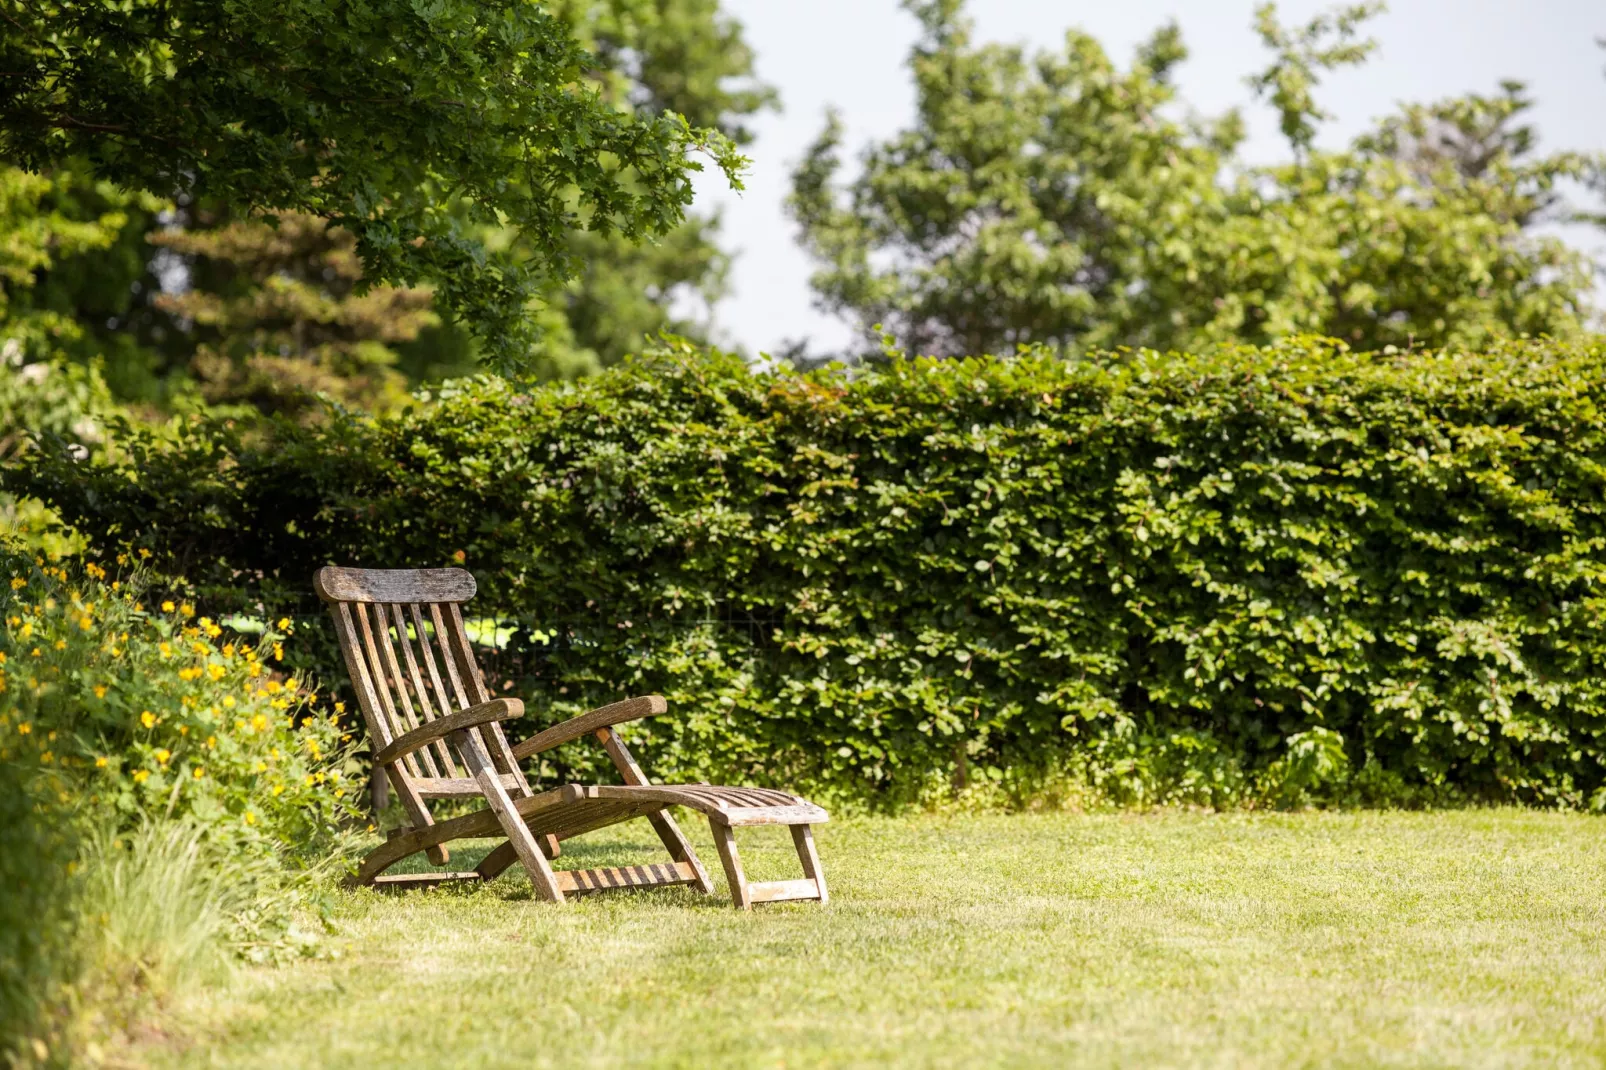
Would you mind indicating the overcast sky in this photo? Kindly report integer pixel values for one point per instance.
(850, 54)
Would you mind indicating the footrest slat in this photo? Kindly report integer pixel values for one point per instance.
(580, 881)
(403, 881)
(779, 891)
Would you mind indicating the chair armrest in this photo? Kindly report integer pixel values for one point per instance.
(499, 709)
(631, 709)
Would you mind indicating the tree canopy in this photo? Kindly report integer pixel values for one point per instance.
(1058, 199)
(413, 126)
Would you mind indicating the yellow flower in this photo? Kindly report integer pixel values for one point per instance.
(278, 651)
(167, 607)
(100, 762)
(199, 773)
(186, 611)
(250, 818)
(2, 657)
(148, 719)
(259, 722)
(274, 687)
(459, 556)
(188, 674)
(164, 648)
(27, 629)
(24, 728)
(215, 671)
(163, 754)
(122, 559)
(200, 648)
(261, 767)
(183, 729)
(141, 776)
(278, 789)
(284, 624)
(144, 552)
(18, 583)
(34, 652)
(61, 644)
(228, 651)
(211, 741)
(100, 690)
(47, 757)
(340, 707)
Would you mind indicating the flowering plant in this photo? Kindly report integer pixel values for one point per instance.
(129, 703)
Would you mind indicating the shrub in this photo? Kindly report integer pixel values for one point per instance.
(1245, 575)
(167, 798)
(139, 710)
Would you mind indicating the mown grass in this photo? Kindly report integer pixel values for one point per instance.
(1321, 939)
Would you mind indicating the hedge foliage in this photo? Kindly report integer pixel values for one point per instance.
(1252, 575)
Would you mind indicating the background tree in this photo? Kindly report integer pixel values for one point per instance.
(682, 56)
(277, 317)
(1056, 199)
(652, 56)
(414, 127)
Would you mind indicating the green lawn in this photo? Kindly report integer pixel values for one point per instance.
(1459, 939)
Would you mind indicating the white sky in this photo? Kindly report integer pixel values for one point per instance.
(850, 54)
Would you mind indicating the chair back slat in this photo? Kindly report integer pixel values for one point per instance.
(357, 670)
(495, 740)
(402, 702)
(429, 702)
(448, 660)
(386, 711)
(457, 642)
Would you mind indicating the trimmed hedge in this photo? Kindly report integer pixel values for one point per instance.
(1244, 576)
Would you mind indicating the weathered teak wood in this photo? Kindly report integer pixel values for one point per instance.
(436, 733)
(420, 738)
(401, 585)
(580, 881)
(631, 709)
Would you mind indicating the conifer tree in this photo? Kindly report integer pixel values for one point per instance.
(277, 316)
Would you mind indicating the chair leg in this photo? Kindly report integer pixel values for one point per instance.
(492, 865)
(725, 840)
(679, 848)
(518, 834)
(745, 893)
(803, 840)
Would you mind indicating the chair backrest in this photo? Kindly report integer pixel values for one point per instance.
(410, 661)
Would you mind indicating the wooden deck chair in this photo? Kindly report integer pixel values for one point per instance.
(437, 734)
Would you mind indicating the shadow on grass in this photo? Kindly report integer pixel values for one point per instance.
(514, 886)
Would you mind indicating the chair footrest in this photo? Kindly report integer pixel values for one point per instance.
(580, 881)
(803, 814)
(404, 881)
(780, 891)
